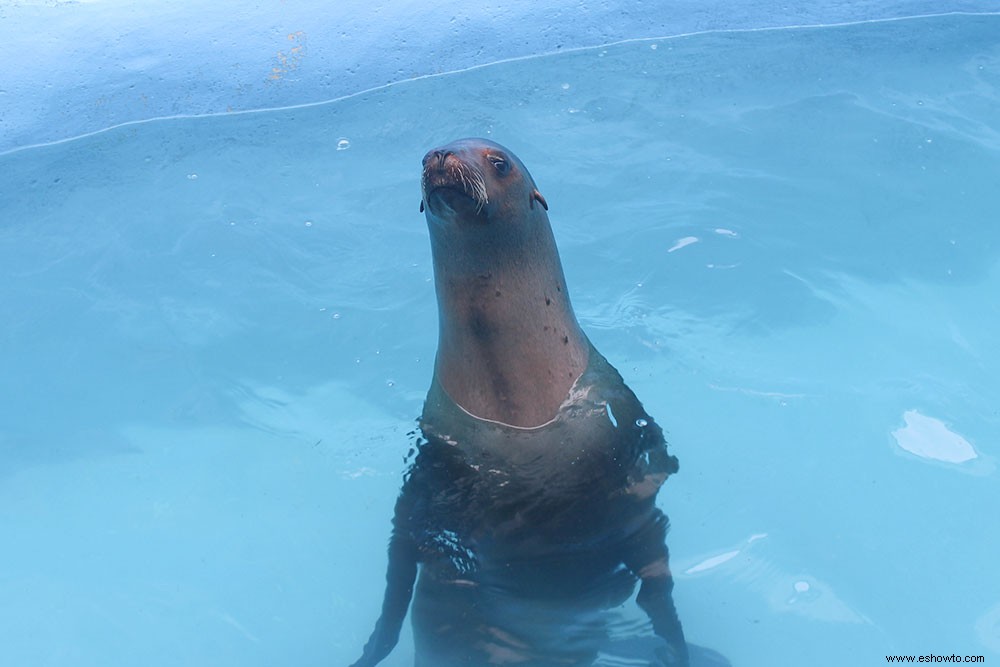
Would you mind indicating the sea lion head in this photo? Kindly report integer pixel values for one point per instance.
(476, 181)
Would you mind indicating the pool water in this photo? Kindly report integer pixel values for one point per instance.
(218, 333)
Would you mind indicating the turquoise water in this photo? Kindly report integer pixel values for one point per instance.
(218, 332)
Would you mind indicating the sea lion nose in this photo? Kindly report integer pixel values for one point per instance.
(436, 158)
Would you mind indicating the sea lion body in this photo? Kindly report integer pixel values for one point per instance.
(530, 506)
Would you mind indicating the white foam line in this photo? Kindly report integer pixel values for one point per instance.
(755, 392)
(712, 562)
(236, 624)
(502, 61)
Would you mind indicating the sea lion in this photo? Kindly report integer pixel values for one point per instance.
(529, 508)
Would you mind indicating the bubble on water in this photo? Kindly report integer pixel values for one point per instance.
(641, 423)
(565, 86)
(343, 144)
(801, 586)
(192, 177)
(336, 316)
(390, 383)
(309, 223)
(653, 46)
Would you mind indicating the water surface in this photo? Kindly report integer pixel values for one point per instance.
(218, 332)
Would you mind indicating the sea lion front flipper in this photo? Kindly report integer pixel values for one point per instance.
(646, 556)
(399, 578)
(656, 600)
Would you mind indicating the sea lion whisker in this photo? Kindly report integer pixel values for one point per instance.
(473, 184)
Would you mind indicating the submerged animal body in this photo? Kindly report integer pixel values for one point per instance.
(529, 508)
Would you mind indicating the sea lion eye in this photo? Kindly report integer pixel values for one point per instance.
(499, 163)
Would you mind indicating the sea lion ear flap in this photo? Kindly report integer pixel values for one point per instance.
(421, 205)
(537, 196)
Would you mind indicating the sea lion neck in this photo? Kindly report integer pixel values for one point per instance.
(509, 346)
